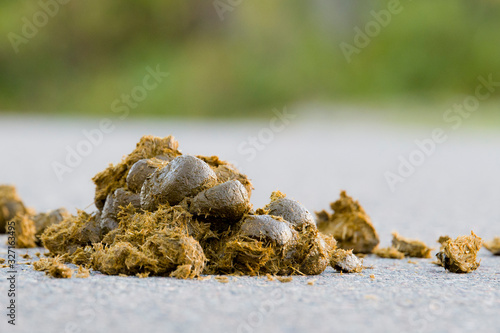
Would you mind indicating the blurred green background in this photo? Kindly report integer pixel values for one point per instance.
(254, 56)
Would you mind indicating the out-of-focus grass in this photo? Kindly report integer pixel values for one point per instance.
(263, 55)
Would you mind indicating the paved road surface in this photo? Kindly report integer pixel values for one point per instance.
(456, 189)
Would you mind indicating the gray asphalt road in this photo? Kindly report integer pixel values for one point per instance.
(455, 189)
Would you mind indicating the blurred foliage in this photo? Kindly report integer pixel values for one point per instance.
(262, 55)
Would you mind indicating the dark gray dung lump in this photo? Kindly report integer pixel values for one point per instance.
(185, 176)
(227, 201)
(266, 227)
(291, 210)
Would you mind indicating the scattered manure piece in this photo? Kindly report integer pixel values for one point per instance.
(53, 267)
(10, 205)
(284, 279)
(459, 255)
(389, 253)
(410, 247)
(141, 170)
(349, 225)
(229, 201)
(311, 282)
(346, 262)
(185, 176)
(115, 176)
(114, 203)
(493, 246)
(290, 210)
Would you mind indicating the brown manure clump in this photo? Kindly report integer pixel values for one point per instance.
(493, 246)
(10, 205)
(53, 267)
(410, 247)
(349, 225)
(459, 255)
(388, 253)
(162, 213)
(346, 262)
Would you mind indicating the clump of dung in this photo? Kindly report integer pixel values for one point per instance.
(280, 244)
(493, 246)
(346, 262)
(162, 213)
(389, 253)
(410, 247)
(53, 267)
(349, 225)
(10, 206)
(459, 255)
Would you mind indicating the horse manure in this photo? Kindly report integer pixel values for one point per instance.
(389, 253)
(459, 255)
(53, 267)
(229, 201)
(346, 262)
(410, 247)
(185, 176)
(493, 246)
(290, 210)
(349, 225)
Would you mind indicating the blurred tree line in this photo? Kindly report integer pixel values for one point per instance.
(239, 57)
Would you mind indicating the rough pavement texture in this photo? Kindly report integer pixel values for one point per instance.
(455, 190)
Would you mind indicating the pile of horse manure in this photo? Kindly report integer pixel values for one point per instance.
(163, 213)
(349, 225)
(459, 255)
(493, 246)
(346, 262)
(389, 253)
(10, 205)
(410, 247)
